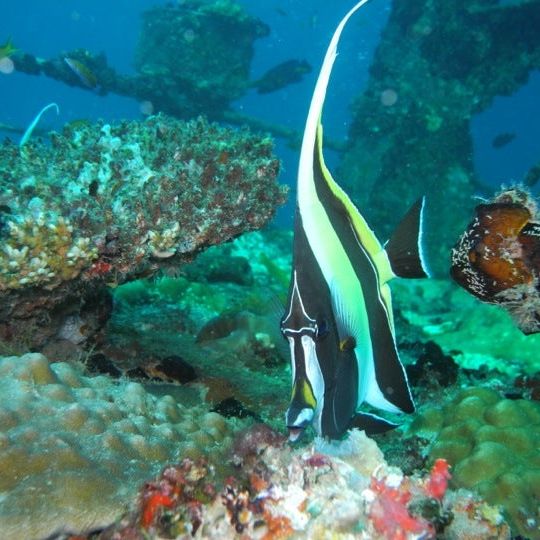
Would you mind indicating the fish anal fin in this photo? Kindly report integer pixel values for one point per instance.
(371, 423)
(404, 249)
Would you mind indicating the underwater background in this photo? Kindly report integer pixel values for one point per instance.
(145, 258)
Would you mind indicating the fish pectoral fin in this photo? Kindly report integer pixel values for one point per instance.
(347, 321)
(371, 423)
(404, 249)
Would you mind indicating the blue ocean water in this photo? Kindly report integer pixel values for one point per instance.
(298, 30)
(517, 114)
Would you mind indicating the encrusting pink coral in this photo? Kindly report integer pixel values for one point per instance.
(152, 505)
(390, 515)
(183, 488)
(437, 482)
(389, 511)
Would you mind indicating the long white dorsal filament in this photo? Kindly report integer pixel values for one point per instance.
(315, 108)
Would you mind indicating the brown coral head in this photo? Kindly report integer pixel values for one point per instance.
(494, 253)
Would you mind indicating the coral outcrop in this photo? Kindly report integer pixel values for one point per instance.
(75, 449)
(497, 258)
(105, 204)
(492, 444)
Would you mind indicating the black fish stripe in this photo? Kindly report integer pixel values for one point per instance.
(317, 302)
(299, 360)
(389, 371)
(315, 296)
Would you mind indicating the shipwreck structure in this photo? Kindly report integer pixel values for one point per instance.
(437, 65)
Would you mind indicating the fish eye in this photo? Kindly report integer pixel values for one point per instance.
(322, 328)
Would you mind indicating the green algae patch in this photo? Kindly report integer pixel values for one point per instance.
(475, 334)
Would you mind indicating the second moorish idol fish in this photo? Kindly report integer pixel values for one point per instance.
(338, 319)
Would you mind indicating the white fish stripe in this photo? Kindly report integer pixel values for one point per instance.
(313, 372)
(293, 363)
(296, 292)
(421, 244)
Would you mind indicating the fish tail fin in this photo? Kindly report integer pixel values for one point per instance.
(404, 249)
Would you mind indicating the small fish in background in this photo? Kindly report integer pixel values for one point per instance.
(338, 319)
(532, 176)
(244, 325)
(82, 71)
(7, 49)
(497, 258)
(280, 76)
(502, 139)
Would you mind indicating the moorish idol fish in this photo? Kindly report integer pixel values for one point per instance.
(338, 319)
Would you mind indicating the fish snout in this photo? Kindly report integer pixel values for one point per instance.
(298, 419)
(295, 433)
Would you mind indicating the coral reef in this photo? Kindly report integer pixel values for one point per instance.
(437, 64)
(497, 258)
(254, 484)
(74, 449)
(492, 444)
(343, 490)
(105, 204)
